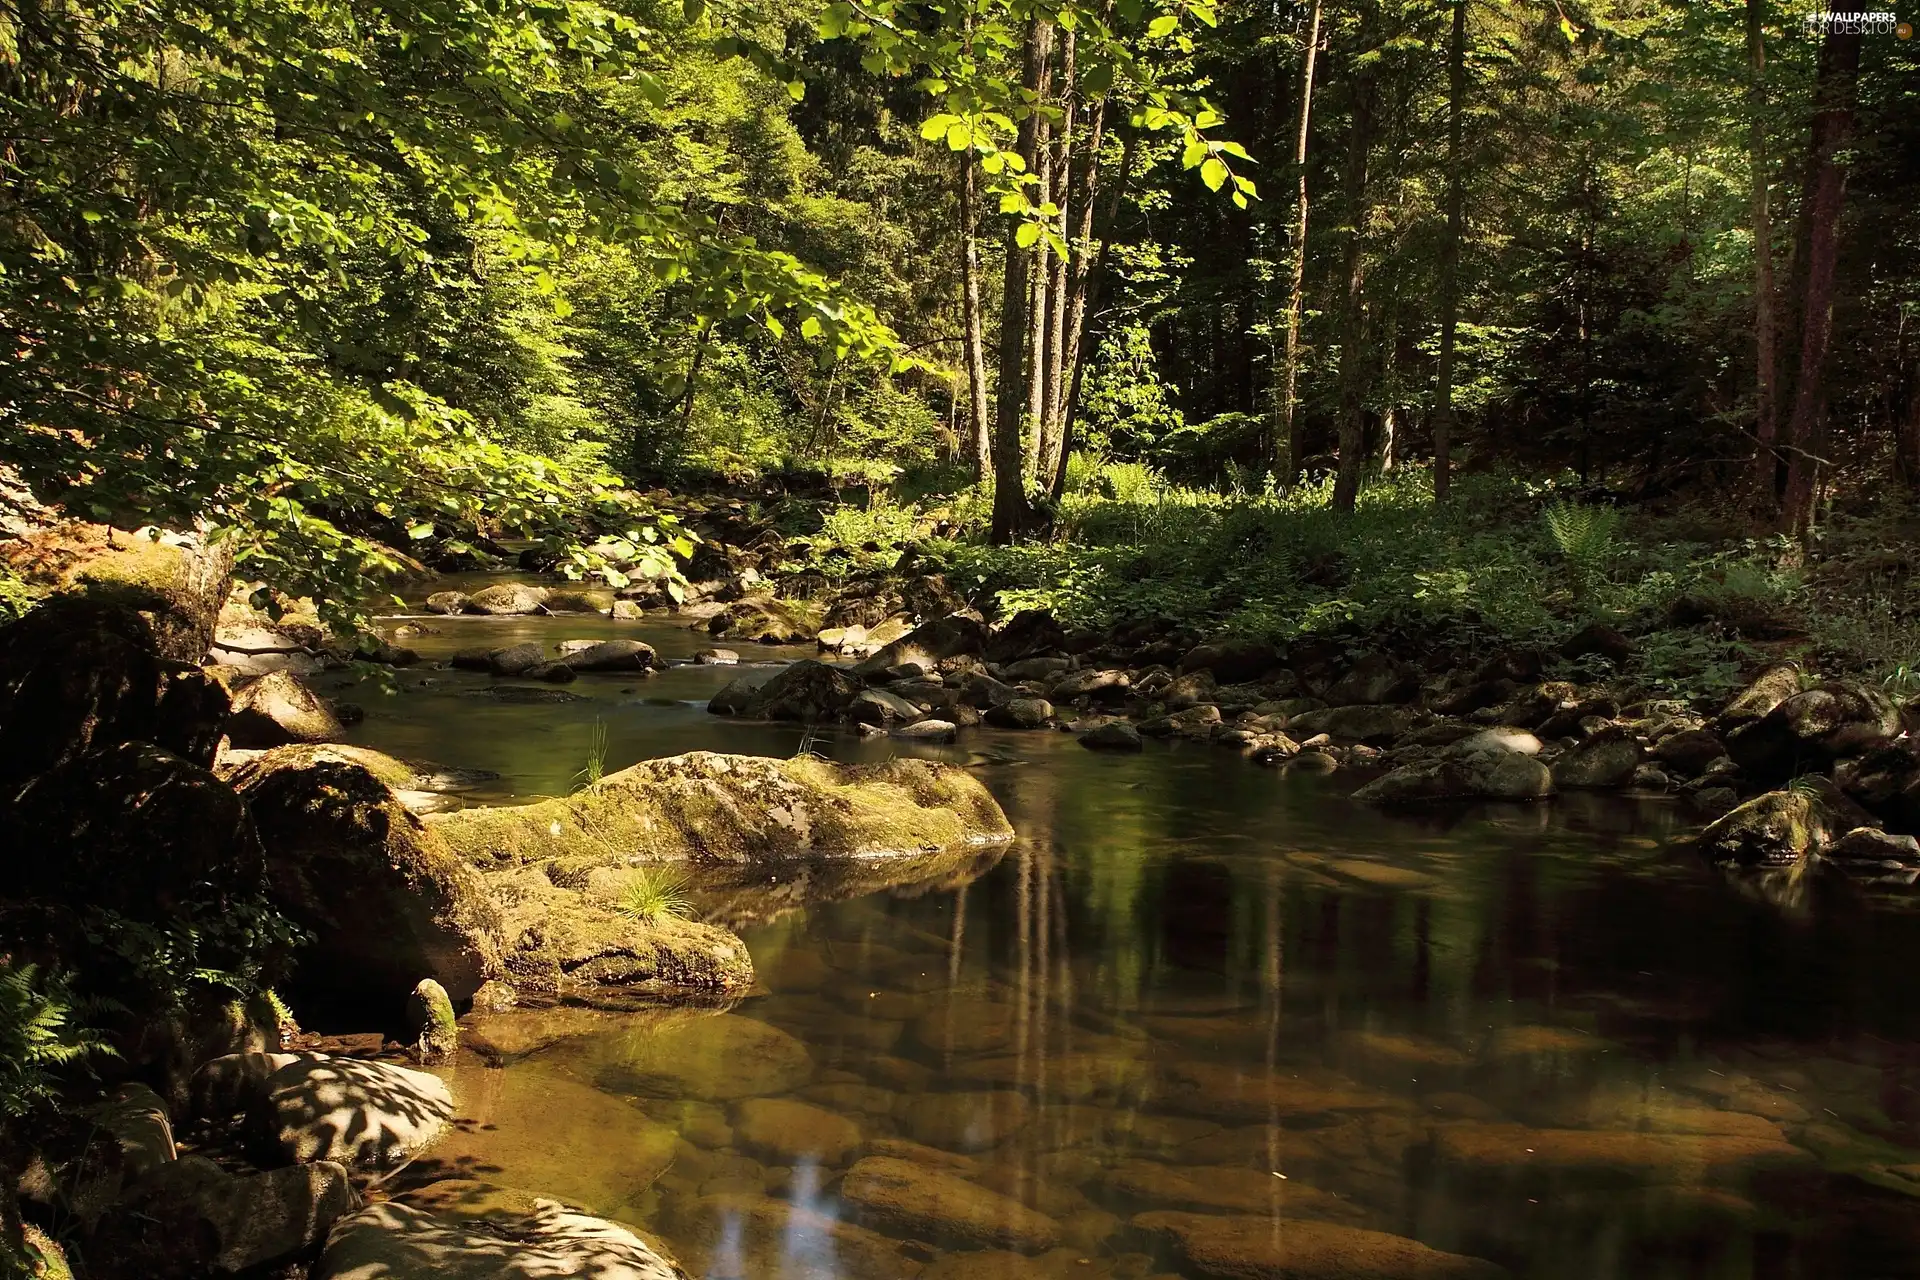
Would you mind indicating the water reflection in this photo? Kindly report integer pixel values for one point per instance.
(1209, 1020)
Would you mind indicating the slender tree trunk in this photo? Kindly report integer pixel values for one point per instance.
(1052, 417)
(1353, 359)
(1090, 271)
(1835, 86)
(978, 442)
(1906, 439)
(1443, 421)
(1766, 421)
(1010, 512)
(1286, 429)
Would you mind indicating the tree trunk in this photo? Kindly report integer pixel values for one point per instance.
(1443, 421)
(1286, 431)
(1010, 511)
(1052, 417)
(1353, 361)
(1803, 433)
(1089, 272)
(978, 442)
(1766, 420)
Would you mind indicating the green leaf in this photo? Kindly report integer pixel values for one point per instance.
(1027, 235)
(1163, 26)
(1214, 173)
(420, 531)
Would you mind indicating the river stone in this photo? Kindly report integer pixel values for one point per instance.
(1607, 760)
(1598, 639)
(1195, 722)
(761, 619)
(1230, 1094)
(929, 730)
(716, 658)
(966, 1121)
(387, 902)
(739, 1234)
(808, 691)
(448, 602)
(1373, 680)
(1231, 661)
(903, 1196)
(968, 1024)
(78, 675)
(351, 1110)
(1809, 731)
(1225, 1189)
(1189, 690)
(612, 655)
(131, 829)
(1028, 635)
(1260, 1248)
(1689, 752)
(929, 644)
(717, 1058)
(1114, 735)
(1773, 686)
(515, 660)
(1106, 685)
(278, 708)
(135, 1117)
(1034, 669)
(739, 810)
(1869, 848)
(1539, 1159)
(1020, 713)
(1505, 775)
(508, 598)
(881, 706)
(792, 1133)
(1370, 724)
(392, 1241)
(1772, 830)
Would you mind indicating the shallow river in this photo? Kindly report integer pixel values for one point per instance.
(1222, 995)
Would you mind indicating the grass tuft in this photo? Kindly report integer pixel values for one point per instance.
(654, 894)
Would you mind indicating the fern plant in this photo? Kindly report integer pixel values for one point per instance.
(39, 1036)
(653, 894)
(1904, 680)
(1584, 536)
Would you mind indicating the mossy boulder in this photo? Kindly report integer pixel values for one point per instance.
(278, 709)
(176, 582)
(712, 808)
(1480, 775)
(1607, 760)
(1812, 729)
(765, 620)
(929, 644)
(78, 675)
(508, 598)
(1780, 828)
(1773, 686)
(808, 691)
(132, 829)
(385, 899)
(556, 940)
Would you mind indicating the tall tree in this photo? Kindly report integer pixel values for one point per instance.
(1766, 419)
(1015, 393)
(978, 443)
(1284, 433)
(1443, 421)
(1354, 364)
(1835, 87)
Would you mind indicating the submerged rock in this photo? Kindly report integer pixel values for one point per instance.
(720, 1058)
(1260, 1248)
(906, 1197)
(1539, 1159)
(790, 1133)
(398, 1242)
(713, 808)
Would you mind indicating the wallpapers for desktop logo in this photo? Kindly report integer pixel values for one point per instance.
(1877, 22)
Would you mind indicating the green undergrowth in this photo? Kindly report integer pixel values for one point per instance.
(1507, 561)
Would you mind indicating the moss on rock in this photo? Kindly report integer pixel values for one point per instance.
(714, 808)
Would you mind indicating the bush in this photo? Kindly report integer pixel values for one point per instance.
(42, 1036)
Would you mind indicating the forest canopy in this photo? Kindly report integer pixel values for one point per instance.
(340, 279)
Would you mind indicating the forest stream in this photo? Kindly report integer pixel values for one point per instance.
(1550, 1037)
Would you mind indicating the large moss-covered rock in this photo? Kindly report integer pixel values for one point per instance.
(176, 582)
(557, 940)
(508, 598)
(135, 830)
(929, 644)
(386, 901)
(1886, 783)
(1781, 827)
(80, 674)
(1812, 729)
(765, 620)
(1606, 760)
(713, 808)
(279, 708)
(1773, 686)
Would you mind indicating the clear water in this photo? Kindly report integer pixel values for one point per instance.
(1543, 1036)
